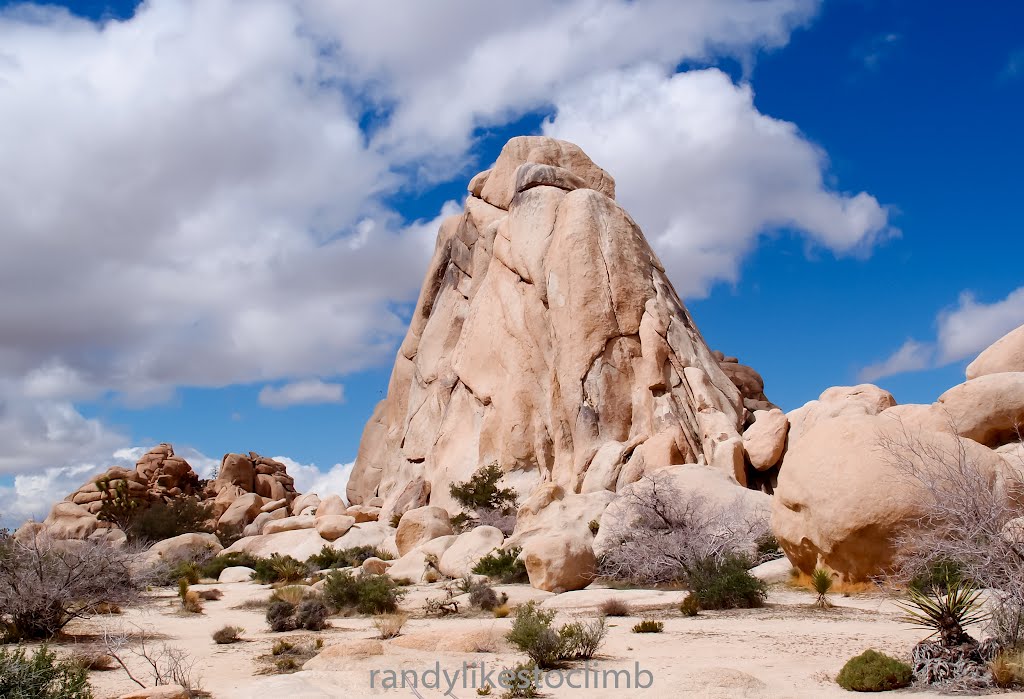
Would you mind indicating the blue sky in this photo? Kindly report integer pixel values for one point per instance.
(254, 213)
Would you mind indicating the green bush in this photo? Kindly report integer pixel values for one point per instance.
(939, 575)
(365, 594)
(215, 566)
(41, 676)
(345, 558)
(503, 565)
(768, 547)
(533, 634)
(481, 491)
(521, 680)
(164, 520)
(872, 671)
(278, 568)
(649, 626)
(726, 583)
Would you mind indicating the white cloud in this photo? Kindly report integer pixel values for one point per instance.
(307, 392)
(704, 173)
(911, 356)
(310, 479)
(963, 332)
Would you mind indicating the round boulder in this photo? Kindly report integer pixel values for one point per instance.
(420, 526)
(467, 550)
(560, 562)
(333, 526)
(1006, 354)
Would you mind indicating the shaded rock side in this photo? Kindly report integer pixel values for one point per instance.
(547, 331)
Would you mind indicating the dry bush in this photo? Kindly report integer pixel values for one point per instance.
(163, 663)
(191, 603)
(46, 583)
(965, 511)
(94, 659)
(615, 607)
(1008, 669)
(502, 611)
(228, 634)
(667, 533)
(389, 625)
(210, 595)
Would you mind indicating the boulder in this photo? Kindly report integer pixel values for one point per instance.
(765, 440)
(256, 526)
(275, 505)
(864, 399)
(840, 503)
(987, 409)
(298, 543)
(779, 570)
(413, 566)
(184, 547)
(287, 524)
(420, 526)
(467, 550)
(333, 526)
(241, 512)
(331, 505)
(560, 562)
(363, 513)
(551, 510)
(237, 469)
(1005, 355)
(236, 574)
(70, 521)
(375, 566)
(302, 502)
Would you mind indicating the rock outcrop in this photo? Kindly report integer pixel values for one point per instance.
(1005, 355)
(548, 338)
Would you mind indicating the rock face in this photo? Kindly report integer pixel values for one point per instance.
(1006, 354)
(560, 562)
(547, 333)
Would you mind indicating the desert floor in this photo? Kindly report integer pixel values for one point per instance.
(786, 649)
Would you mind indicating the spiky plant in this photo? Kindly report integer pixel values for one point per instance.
(821, 580)
(946, 615)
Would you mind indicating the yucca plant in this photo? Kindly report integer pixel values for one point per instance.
(821, 580)
(946, 615)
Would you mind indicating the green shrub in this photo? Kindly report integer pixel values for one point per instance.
(649, 626)
(872, 671)
(503, 565)
(345, 558)
(215, 566)
(481, 491)
(365, 594)
(594, 526)
(521, 680)
(768, 547)
(533, 634)
(946, 615)
(690, 606)
(726, 583)
(821, 579)
(164, 520)
(938, 575)
(41, 676)
(279, 568)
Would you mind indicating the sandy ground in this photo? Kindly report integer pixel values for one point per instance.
(786, 649)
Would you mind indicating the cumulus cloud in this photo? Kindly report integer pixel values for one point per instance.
(705, 173)
(962, 333)
(310, 479)
(306, 392)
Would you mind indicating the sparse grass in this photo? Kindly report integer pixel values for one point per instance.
(872, 671)
(1008, 669)
(502, 611)
(191, 602)
(228, 634)
(615, 607)
(94, 660)
(252, 604)
(287, 656)
(292, 594)
(649, 626)
(389, 625)
(798, 579)
(690, 606)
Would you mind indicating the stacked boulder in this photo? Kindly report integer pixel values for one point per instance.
(842, 500)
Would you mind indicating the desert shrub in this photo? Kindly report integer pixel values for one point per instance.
(41, 675)
(352, 557)
(669, 533)
(182, 589)
(118, 506)
(503, 565)
(690, 606)
(484, 597)
(389, 625)
(281, 647)
(94, 659)
(44, 583)
(1008, 669)
(164, 520)
(1006, 621)
(365, 594)
(210, 595)
(937, 575)
(502, 611)
(872, 671)
(279, 568)
(581, 639)
(821, 580)
(191, 602)
(649, 626)
(946, 615)
(442, 606)
(311, 614)
(726, 583)
(281, 616)
(396, 519)
(484, 501)
(292, 594)
(215, 566)
(768, 548)
(228, 634)
(614, 607)
(521, 681)
(594, 526)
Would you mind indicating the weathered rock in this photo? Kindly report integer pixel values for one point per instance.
(545, 331)
(363, 513)
(840, 503)
(242, 511)
(331, 505)
(778, 571)
(864, 399)
(304, 501)
(275, 505)
(550, 510)
(256, 526)
(333, 526)
(235, 574)
(467, 550)
(413, 566)
(560, 562)
(988, 409)
(1005, 355)
(237, 469)
(287, 524)
(765, 440)
(420, 526)
(375, 566)
(338, 654)
(70, 521)
(185, 546)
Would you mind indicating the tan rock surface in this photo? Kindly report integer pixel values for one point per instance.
(765, 440)
(468, 548)
(1006, 354)
(560, 562)
(420, 526)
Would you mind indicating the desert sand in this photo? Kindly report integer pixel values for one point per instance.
(786, 649)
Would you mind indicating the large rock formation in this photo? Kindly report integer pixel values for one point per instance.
(548, 338)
